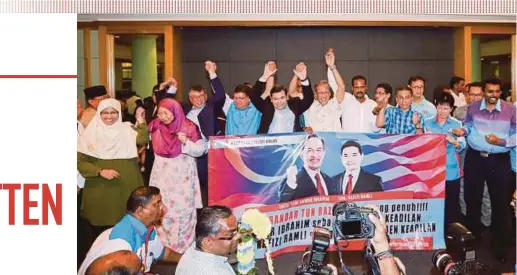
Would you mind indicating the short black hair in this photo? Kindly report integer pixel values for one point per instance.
(387, 87)
(119, 270)
(242, 88)
(198, 88)
(455, 80)
(445, 98)
(493, 81)
(475, 84)
(277, 88)
(403, 89)
(208, 221)
(352, 143)
(141, 197)
(358, 77)
(415, 78)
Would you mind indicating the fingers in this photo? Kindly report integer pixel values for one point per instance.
(115, 174)
(376, 209)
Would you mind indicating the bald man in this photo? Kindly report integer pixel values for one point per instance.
(121, 258)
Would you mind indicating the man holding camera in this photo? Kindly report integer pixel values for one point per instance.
(310, 180)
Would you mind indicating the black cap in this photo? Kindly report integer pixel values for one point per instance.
(95, 91)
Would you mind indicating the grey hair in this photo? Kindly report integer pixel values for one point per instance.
(208, 221)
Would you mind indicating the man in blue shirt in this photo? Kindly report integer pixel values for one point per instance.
(135, 232)
(401, 119)
(490, 130)
(420, 104)
(443, 123)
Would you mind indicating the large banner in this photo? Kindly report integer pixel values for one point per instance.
(285, 175)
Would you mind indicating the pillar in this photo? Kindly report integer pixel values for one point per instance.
(476, 58)
(462, 52)
(118, 75)
(144, 64)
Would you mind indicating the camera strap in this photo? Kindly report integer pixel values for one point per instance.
(344, 268)
(370, 258)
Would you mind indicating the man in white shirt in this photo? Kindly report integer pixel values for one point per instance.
(457, 85)
(216, 237)
(357, 116)
(325, 112)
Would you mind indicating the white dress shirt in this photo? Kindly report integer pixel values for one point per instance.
(324, 118)
(192, 115)
(355, 175)
(459, 99)
(357, 117)
(312, 174)
(196, 262)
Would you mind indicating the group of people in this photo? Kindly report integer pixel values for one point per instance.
(172, 139)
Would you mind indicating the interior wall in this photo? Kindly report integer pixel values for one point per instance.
(390, 54)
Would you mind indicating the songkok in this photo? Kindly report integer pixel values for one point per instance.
(95, 91)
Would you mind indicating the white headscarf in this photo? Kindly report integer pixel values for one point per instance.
(117, 141)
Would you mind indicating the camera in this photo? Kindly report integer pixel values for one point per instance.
(352, 222)
(314, 265)
(461, 243)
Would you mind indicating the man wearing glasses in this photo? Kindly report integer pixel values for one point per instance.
(93, 96)
(216, 237)
(490, 131)
(135, 232)
(475, 93)
(420, 104)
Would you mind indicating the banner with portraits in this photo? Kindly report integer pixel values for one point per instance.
(297, 178)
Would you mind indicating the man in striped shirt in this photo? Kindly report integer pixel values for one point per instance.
(490, 131)
(401, 119)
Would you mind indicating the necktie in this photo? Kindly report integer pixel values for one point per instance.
(349, 185)
(319, 186)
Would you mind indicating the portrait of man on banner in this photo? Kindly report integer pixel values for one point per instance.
(309, 180)
(354, 179)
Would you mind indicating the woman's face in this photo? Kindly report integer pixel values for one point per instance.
(165, 115)
(109, 116)
(443, 110)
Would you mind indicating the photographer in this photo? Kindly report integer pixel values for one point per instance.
(388, 263)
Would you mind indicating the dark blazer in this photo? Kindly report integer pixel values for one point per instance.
(366, 182)
(305, 188)
(265, 106)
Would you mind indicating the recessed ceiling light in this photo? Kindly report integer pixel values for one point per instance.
(116, 36)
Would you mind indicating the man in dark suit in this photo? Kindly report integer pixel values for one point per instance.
(354, 179)
(309, 180)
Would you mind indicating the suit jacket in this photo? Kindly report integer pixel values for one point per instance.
(296, 105)
(305, 188)
(365, 183)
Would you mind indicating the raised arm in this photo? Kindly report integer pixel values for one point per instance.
(330, 59)
(269, 85)
(258, 88)
(380, 120)
(220, 97)
(291, 90)
(308, 94)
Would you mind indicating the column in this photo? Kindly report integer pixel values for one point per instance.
(118, 75)
(144, 65)
(462, 52)
(476, 58)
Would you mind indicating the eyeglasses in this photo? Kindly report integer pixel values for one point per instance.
(109, 113)
(493, 91)
(229, 238)
(417, 87)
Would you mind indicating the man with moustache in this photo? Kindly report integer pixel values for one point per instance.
(490, 131)
(310, 180)
(357, 116)
(354, 179)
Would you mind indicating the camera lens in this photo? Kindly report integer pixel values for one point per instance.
(443, 261)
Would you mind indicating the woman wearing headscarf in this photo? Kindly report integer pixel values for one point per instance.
(107, 158)
(176, 143)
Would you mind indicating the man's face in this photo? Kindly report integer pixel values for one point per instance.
(418, 88)
(443, 111)
(351, 158)
(197, 98)
(225, 241)
(380, 94)
(323, 93)
(279, 100)
(94, 102)
(475, 94)
(154, 210)
(359, 88)
(404, 99)
(492, 93)
(459, 87)
(313, 153)
(241, 100)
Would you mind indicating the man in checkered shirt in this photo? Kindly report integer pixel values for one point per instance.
(400, 119)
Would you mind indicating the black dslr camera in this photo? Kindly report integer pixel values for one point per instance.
(314, 265)
(352, 221)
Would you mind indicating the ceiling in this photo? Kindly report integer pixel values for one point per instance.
(493, 37)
